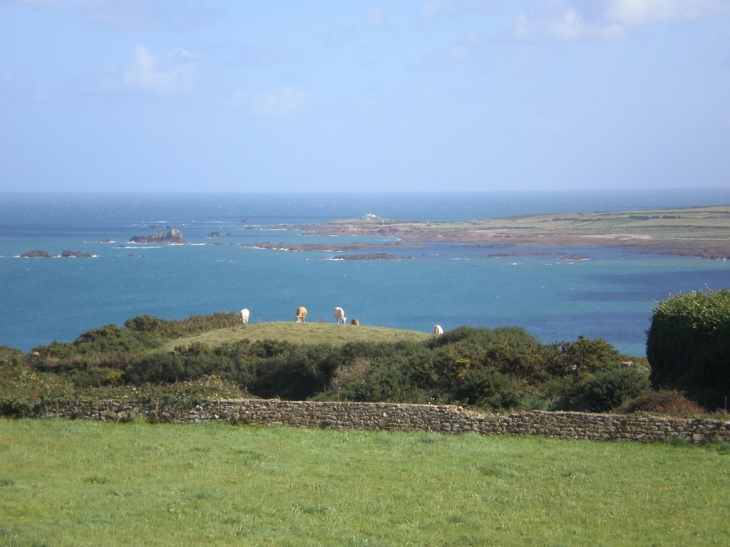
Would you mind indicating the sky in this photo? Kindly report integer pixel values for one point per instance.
(414, 95)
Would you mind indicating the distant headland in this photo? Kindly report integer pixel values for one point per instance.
(693, 231)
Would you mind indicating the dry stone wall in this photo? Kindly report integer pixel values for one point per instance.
(403, 417)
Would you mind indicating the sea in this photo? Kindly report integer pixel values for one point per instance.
(610, 294)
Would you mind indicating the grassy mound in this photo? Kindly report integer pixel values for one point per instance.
(300, 333)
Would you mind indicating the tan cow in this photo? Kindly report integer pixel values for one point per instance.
(354, 322)
(301, 315)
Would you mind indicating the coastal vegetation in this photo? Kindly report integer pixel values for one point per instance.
(503, 369)
(205, 357)
(688, 345)
(66, 483)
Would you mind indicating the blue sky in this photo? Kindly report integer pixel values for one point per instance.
(428, 95)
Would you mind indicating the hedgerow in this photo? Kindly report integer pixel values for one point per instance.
(688, 345)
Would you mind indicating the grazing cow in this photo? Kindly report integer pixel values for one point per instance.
(340, 316)
(437, 330)
(245, 315)
(354, 322)
(301, 315)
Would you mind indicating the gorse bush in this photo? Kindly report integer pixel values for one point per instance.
(688, 345)
(195, 324)
(664, 402)
(112, 346)
(495, 369)
(608, 390)
(109, 346)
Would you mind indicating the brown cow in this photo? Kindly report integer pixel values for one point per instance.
(354, 322)
(301, 315)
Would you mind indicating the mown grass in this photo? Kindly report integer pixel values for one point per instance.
(302, 333)
(82, 483)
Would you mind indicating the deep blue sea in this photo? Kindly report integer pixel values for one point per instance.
(610, 296)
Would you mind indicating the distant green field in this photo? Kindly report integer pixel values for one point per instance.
(83, 483)
(309, 333)
(692, 222)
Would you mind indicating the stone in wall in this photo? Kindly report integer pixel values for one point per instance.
(403, 417)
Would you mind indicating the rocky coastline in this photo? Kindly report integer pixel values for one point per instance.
(413, 234)
(319, 246)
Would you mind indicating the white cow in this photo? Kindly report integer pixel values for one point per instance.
(245, 314)
(437, 330)
(340, 316)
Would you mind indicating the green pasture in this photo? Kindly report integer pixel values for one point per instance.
(300, 333)
(83, 483)
(691, 222)
(711, 222)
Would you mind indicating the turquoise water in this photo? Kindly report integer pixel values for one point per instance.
(611, 295)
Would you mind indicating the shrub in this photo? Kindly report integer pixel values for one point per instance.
(583, 355)
(688, 345)
(12, 407)
(195, 324)
(670, 402)
(608, 390)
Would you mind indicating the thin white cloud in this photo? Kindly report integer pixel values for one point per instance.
(164, 75)
(637, 12)
(114, 13)
(133, 14)
(563, 21)
(434, 10)
(376, 18)
(567, 20)
(282, 101)
(264, 55)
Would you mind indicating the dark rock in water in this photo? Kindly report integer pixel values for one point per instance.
(107, 240)
(372, 256)
(75, 254)
(173, 236)
(214, 235)
(36, 253)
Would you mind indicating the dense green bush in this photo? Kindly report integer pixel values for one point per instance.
(583, 355)
(609, 390)
(688, 345)
(112, 346)
(503, 368)
(109, 346)
(195, 324)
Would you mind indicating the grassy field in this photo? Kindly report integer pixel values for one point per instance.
(692, 231)
(692, 222)
(82, 483)
(309, 333)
